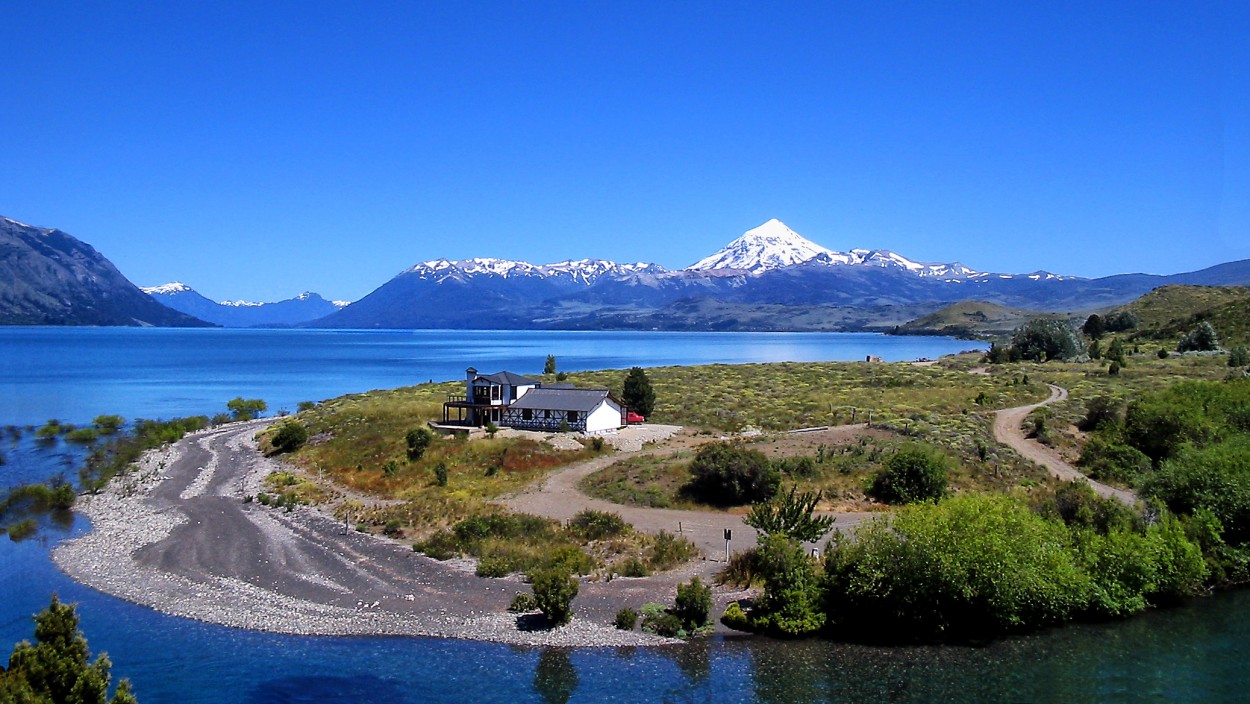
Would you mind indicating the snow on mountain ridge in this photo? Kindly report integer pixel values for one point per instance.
(584, 271)
(164, 289)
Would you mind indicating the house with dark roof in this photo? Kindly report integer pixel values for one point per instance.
(515, 401)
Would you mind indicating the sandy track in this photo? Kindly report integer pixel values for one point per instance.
(1008, 430)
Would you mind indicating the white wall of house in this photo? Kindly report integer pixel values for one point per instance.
(605, 416)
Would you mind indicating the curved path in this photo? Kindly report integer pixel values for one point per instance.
(1008, 430)
(560, 497)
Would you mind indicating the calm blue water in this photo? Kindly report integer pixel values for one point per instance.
(1192, 654)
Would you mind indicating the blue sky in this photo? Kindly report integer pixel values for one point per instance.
(257, 150)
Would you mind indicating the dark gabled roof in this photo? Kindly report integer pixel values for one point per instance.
(507, 379)
(543, 399)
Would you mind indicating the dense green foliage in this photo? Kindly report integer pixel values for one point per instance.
(549, 367)
(554, 591)
(1202, 338)
(108, 424)
(289, 436)
(636, 392)
(693, 604)
(792, 515)
(58, 668)
(1239, 357)
(728, 474)
(625, 619)
(418, 440)
(1044, 339)
(1094, 327)
(791, 604)
(589, 524)
(115, 456)
(977, 565)
(914, 473)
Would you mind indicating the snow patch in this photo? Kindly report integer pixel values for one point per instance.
(164, 289)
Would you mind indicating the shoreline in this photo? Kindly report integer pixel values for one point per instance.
(174, 534)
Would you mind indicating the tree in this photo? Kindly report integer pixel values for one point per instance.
(290, 436)
(1239, 357)
(554, 591)
(729, 474)
(1201, 339)
(1120, 321)
(418, 440)
(550, 366)
(246, 408)
(791, 515)
(1094, 327)
(792, 601)
(1043, 339)
(914, 473)
(58, 667)
(637, 393)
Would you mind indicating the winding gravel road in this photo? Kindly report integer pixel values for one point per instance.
(1008, 430)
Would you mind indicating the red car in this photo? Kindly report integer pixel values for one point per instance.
(631, 418)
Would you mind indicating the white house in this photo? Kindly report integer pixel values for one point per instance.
(514, 401)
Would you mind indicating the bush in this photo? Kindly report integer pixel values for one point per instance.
(108, 424)
(970, 565)
(1200, 339)
(662, 624)
(735, 618)
(246, 408)
(554, 591)
(625, 619)
(792, 603)
(1103, 412)
(290, 436)
(1044, 339)
(693, 603)
(742, 570)
(597, 525)
(631, 567)
(523, 603)
(667, 551)
(1120, 321)
(1239, 357)
(493, 567)
(418, 440)
(1215, 478)
(1109, 460)
(305, 406)
(728, 474)
(440, 474)
(913, 473)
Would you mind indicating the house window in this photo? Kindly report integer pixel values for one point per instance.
(527, 414)
(572, 416)
(494, 393)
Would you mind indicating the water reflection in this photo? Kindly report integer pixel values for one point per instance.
(555, 678)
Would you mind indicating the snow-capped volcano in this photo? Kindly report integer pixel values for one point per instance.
(769, 246)
(775, 246)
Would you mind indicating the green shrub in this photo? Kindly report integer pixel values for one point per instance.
(735, 617)
(523, 603)
(22, 530)
(792, 602)
(913, 473)
(108, 424)
(1239, 357)
(664, 624)
(1200, 339)
(742, 570)
(493, 567)
(83, 435)
(728, 474)
(972, 564)
(631, 567)
(790, 514)
(263, 498)
(668, 551)
(246, 408)
(554, 591)
(625, 619)
(1102, 413)
(418, 440)
(391, 528)
(440, 474)
(589, 524)
(442, 545)
(693, 603)
(305, 406)
(289, 437)
(1108, 460)
(1215, 478)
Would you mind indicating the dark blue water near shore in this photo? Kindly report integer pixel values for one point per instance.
(1193, 653)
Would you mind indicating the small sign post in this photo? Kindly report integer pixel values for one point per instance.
(729, 534)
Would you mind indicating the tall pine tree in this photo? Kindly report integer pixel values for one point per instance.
(637, 393)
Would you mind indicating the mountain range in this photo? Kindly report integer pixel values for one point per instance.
(770, 278)
(48, 277)
(243, 314)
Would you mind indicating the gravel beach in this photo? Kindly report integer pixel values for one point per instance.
(175, 535)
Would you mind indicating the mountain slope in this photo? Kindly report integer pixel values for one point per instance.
(969, 319)
(48, 277)
(241, 314)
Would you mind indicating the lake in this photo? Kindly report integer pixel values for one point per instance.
(1194, 653)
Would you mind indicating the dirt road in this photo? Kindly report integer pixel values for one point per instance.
(1008, 430)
